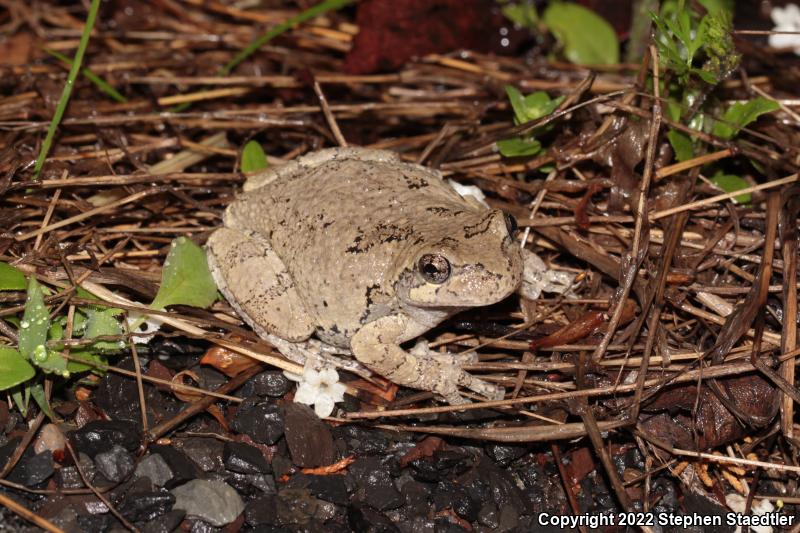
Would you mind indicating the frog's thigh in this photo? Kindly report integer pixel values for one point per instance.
(376, 346)
(256, 283)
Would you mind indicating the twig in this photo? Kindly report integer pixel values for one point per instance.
(29, 515)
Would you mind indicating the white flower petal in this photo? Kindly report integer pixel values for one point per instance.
(311, 376)
(336, 391)
(329, 375)
(323, 406)
(306, 394)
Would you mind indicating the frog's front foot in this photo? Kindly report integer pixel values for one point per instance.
(423, 349)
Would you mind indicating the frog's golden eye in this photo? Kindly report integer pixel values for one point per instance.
(434, 268)
(511, 224)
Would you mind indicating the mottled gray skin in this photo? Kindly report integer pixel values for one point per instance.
(330, 245)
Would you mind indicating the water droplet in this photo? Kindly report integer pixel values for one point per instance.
(25, 324)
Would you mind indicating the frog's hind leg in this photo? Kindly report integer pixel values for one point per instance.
(255, 281)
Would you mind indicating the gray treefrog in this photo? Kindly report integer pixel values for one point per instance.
(364, 252)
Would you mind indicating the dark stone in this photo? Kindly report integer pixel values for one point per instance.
(263, 510)
(375, 486)
(204, 452)
(365, 519)
(271, 383)
(118, 396)
(330, 488)
(101, 435)
(96, 522)
(263, 528)
(139, 507)
(695, 503)
(298, 507)
(166, 523)
(7, 450)
(183, 468)
(503, 454)
(444, 525)
(362, 441)
(489, 516)
(244, 459)
(116, 464)
(32, 469)
(261, 421)
(309, 438)
(449, 495)
(443, 464)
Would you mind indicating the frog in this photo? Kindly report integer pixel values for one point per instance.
(355, 251)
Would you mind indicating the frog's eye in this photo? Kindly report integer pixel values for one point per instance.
(511, 224)
(434, 268)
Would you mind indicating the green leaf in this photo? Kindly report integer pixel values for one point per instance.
(100, 323)
(35, 321)
(731, 183)
(681, 145)
(253, 157)
(523, 14)
(78, 367)
(14, 369)
(532, 107)
(11, 279)
(22, 396)
(588, 38)
(519, 147)
(714, 7)
(741, 114)
(37, 391)
(185, 278)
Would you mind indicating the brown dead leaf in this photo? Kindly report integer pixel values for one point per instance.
(228, 362)
(424, 448)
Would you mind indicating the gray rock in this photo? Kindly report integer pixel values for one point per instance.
(115, 464)
(155, 468)
(215, 502)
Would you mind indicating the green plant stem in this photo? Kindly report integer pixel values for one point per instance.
(308, 14)
(67, 92)
(101, 84)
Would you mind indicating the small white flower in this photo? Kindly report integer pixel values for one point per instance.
(142, 329)
(320, 388)
(786, 19)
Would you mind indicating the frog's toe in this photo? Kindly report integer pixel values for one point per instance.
(484, 388)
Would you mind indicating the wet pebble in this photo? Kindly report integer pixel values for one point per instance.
(212, 501)
(331, 488)
(309, 438)
(50, 439)
(300, 507)
(449, 495)
(271, 384)
(375, 485)
(261, 421)
(205, 452)
(262, 511)
(115, 464)
(489, 516)
(364, 518)
(32, 468)
(101, 435)
(244, 459)
(155, 468)
(166, 523)
(504, 454)
(68, 477)
(144, 506)
(183, 468)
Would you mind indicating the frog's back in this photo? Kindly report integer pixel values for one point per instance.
(340, 220)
